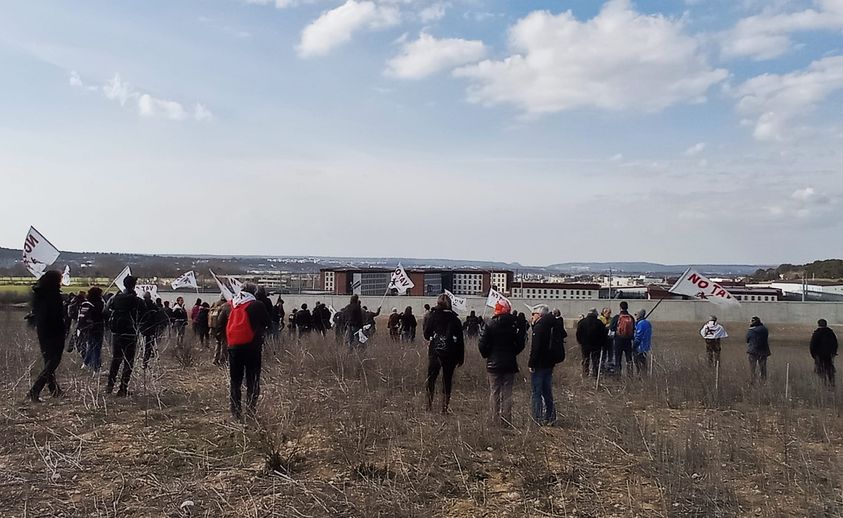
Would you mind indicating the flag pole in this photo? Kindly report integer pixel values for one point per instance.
(649, 313)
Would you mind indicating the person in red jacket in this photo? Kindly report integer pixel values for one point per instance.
(245, 326)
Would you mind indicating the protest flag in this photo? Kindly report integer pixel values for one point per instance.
(38, 253)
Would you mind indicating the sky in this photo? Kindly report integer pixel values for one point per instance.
(695, 131)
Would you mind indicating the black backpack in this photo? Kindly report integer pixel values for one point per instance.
(557, 341)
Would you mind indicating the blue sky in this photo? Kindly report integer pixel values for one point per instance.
(671, 131)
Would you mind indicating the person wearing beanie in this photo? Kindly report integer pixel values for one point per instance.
(823, 350)
(642, 342)
(712, 332)
(757, 347)
(500, 344)
(125, 311)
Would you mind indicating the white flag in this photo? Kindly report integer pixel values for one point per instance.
(118, 281)
(236, 285)
(694, 284)
(361, 337)
(494, 297)
(333, 313)
(65, 277)
(226, 293)
(400, 280)
(187, 280)
(152, 289)
(38, 253)
(457, 303)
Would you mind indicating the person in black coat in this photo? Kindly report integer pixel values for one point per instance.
(92, 328)
(545, 331)
(304, 320)
(593, 338)
(245, 358)
(125, 312)
(757, 347)
(823, 351)
(352, 316)
(500, 343)
(446, 349)
(49, 312)
(407, 325)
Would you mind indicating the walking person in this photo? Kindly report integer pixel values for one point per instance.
(446, 349)
(218, 324)
(150, 323)
(608, 345)
(592, 337)
(546, 339)
(471, 326)
(179, 321)
(125, 311)
(194, 315)
(642, 341)
(92, 327)
(500, 343)
(393, 325)
(246, 324)
(203, 325)
(277, 317)
(48, 309)
(353, 318)
(712, 332)
(823, 350)
(622, 329)
(304, 321)
(757, 348)
(407, 325)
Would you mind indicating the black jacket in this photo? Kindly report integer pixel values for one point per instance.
(500, 343)
(91, 320)
(353, 316)
(545, 331)
(49, 312)
(823, 343)
(304, 321)
(591, 333)
(445, 323)
(757, 343)
(125, 311)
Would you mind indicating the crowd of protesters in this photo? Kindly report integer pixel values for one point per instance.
(239, 329)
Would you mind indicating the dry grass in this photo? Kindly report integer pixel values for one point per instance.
(341, 434)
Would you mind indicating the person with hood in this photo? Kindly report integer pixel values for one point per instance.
(407, 325)
(592, 337)
(318, 323)
(353, 318)
(622, 329)
(304, 321)
(757, 347)
(179, 321)
(446, 349)
(125, 310)
(500, 344)
(712, 332)
(49, 312)
(642, 341)
(393, 324)
(92, 328)
(545, 338)
(471, 326)
(246, 324)
(823, 350)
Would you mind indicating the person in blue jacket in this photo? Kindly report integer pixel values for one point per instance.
(642, 341)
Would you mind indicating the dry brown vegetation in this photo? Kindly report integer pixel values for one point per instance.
(341, 434)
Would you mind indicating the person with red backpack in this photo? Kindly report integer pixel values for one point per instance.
(622, 329)
(244, 330)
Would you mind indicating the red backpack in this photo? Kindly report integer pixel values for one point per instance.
(238, 330)
(626, 326)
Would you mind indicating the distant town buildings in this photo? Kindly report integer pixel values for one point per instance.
(555, 291)
(428, 282)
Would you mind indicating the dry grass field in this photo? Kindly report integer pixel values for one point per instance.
(341, 434)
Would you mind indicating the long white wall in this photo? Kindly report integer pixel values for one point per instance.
(668, 311)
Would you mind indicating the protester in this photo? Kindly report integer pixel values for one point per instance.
(125, 310)
(546, 339)
(218, 325)
(71, 325)
(642, 341)
(712, 332)
(91, 325)
(321, 318)
(49, 312)
(370, 326)
(622, 329)
(425, 315)
(194, 315)
(823, 350)
(150, 322)
(608, 344)
(353, 318)
(291, 324)
(523, 324)
(245, 327)
(500, 343)
(446, 349)
(393, 324)
(757, 347)
(203, 327)
(179, 321)
(407, 325)
(277, 317)
(471, 326)
(304, 321)
(339, 326)
(592, 337)
(168, 312)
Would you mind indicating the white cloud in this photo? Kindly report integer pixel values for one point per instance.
(116, 89)
(336, 27)
(768, 35)
(773, 102)
(804, 195)
(696, 149)
(429, 55)
(280, 4)
(433, 12)
(619, 60)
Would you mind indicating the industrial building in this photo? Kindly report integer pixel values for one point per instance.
(428, 282)
(555, 290)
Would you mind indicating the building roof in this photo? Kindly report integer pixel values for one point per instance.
(556, 285)
(348, 269)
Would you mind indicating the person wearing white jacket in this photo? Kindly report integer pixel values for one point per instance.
(713, 332)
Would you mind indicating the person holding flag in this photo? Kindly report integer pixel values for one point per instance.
(446, 349)
(48, 309)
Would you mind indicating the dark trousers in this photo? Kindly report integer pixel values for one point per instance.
(640, 360)
(590, 357)
(93, 352)
(51, 351)
(543, 409)
(500, 397)
(148, 349)
(123, 348)
(623, 351)
(712, 350)
(447, 366)
(824, 367)
(244, 361)
(761, 362)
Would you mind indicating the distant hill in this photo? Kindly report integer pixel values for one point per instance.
(106, 264)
